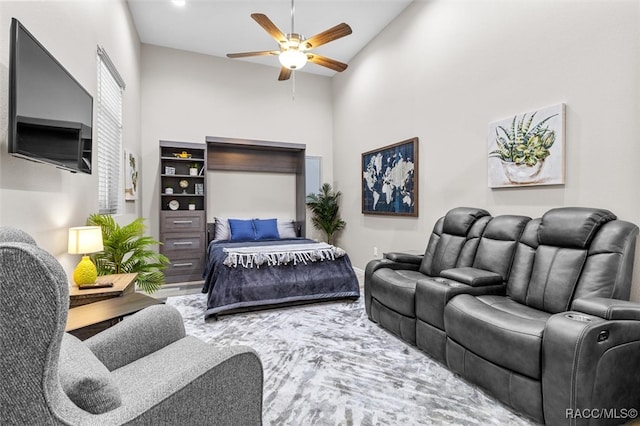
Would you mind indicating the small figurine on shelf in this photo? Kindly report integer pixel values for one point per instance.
(193, 171)
(183, 154)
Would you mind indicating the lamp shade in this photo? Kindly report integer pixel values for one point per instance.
(85, 239)
(293, 59)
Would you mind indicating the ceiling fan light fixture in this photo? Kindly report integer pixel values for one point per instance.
(293, 59)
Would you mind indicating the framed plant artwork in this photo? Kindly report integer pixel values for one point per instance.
(130, 176)
(527, 149)
(390, 179)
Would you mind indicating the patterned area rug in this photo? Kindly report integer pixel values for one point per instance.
(327, 364)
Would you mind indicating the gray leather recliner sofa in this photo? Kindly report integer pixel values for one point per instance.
(535, 311)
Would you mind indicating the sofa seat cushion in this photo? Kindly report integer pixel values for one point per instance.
(499, 330)
(396, 289)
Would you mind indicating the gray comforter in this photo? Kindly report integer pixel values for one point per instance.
(238, 288)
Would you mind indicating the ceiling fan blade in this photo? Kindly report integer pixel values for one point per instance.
(331, 34)
(269, 27)
(259, 53)
(326, 62)
(285, 73)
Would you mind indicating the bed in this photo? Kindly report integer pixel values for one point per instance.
(271, 271)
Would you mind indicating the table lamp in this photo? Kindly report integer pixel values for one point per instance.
(84, 240)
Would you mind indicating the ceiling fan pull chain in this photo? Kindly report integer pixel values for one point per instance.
(293, 86)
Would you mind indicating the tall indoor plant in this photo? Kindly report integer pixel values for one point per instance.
(127, 250)
(325, 210)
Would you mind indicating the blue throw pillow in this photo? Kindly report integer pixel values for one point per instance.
(241, 230)
(266, 229)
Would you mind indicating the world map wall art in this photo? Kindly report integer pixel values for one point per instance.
(527, 149)
(390, 179)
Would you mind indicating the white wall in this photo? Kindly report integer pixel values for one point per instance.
(249, 195)
(188, 96)
(444, 69)
(41, 199)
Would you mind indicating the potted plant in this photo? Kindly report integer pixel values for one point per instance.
(522, 149)
(127, 250)
(325, 212)
(193, 169)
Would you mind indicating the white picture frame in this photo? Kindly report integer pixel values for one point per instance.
(527, 149)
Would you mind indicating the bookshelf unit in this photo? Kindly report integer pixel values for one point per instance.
(183, 169)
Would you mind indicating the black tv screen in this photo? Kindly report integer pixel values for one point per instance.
(50, 113)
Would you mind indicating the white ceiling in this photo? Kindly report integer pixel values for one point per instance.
(218, 27)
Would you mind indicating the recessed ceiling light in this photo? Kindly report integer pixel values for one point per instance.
(179, 2)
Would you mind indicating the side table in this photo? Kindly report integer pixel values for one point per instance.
(95, 310)
(122, 284)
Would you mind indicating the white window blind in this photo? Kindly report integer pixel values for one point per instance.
(109, 134)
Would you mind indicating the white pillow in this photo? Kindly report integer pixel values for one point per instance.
(221, 230)
(286, 229)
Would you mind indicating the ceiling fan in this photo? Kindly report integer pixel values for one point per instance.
(293, 53)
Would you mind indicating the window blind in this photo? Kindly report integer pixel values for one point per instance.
(109, 134)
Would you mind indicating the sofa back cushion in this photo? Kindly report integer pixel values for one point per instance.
(572, 227)
(454, 240)
(497, 245)
(554, 277)
(571, 252)
(522, 265)
(608, 269)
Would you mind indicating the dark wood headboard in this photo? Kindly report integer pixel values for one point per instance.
(248, 155)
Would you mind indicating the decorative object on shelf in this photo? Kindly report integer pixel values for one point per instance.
(192, 205)
(168, 190)
(169, 170)
(527, 149)
(183, 154)
(199, 188)
(184, 184)
(131, 176)
(174, 204)
(390, 179)
(193, 170)
(85, 240)
(325, 210)
(128, 250)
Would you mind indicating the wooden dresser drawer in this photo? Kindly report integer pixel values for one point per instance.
(180, 242)
(187, 266)
(181, 221)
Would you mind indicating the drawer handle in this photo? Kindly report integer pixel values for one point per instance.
(178, 265)
(183, 243)
(176, 222)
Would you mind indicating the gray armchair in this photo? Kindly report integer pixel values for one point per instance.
(143, 371)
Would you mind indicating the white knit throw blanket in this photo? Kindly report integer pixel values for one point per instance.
(249, 257)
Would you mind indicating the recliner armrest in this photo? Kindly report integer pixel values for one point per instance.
(414, 259)
(610, 309)
(472, 276)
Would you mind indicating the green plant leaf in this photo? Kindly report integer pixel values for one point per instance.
(325, 208)
(127, 250)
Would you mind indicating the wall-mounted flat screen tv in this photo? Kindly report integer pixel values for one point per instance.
(50, 113)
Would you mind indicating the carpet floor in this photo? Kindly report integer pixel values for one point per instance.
(328, 364)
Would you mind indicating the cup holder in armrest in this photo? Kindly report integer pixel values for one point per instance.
(578, 317)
